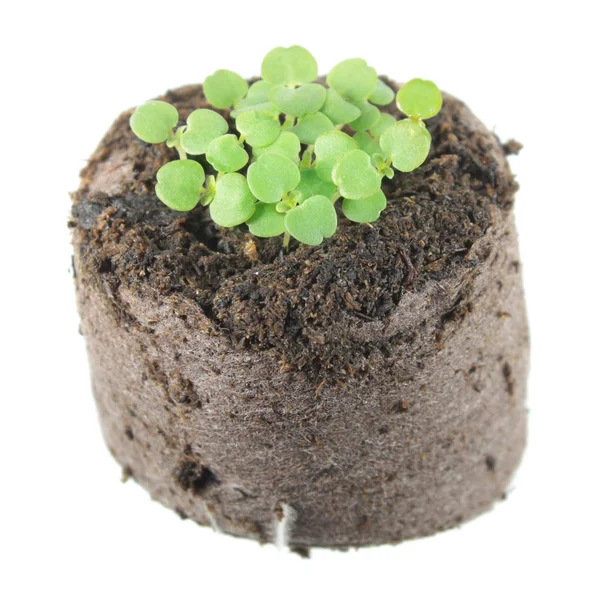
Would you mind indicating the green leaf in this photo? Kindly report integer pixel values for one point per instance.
(367, 143)
(264, 107)
(407, 143)
(340, 111)
(310, 127)
(271, 176)
(154, 121)
(419, 98)
(366, 210)
(312, 185)
(385, 122)
(224, 88)
(353, 79)
(233, 203)
(260, 128)
(329, 148)
(291, 66)
(203, 126)
(287, 144)
(226, 154)
(297, 102)
(382, 94)
(266, 222)
(258, 92)
(355, 175)
(179, 184)
(312, 220)
(369, 116)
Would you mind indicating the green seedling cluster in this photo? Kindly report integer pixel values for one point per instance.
(297, 146)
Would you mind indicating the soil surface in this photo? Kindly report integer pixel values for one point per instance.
(293, 304)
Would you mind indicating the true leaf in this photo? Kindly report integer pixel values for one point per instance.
(407, 143)
(353, 79)
(260, 128)
(226, 154)
(340, 111)
(369, 116)
(203, 126)
(382, 94)
(303, 100)
(153, 122)
(233, 203)
(329, 147)
(292, 66)
(224, 88)
(310, 127)
(419, 98)
(266, 221)
(312, 220)
(179, 184)
(287, 144)
(366, 210)
(355, 176)
(271, 176)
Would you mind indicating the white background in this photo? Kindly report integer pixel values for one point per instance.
(68, 527)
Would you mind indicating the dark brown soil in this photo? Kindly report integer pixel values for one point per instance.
(294, 304)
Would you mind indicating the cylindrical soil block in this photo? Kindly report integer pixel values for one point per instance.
(371, 388)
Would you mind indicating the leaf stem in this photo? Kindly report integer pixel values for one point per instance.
(286, 239)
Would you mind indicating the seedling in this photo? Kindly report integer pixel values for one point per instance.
(291, 147)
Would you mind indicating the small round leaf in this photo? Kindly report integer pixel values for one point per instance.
(303, 100)
(287, 144)
(385, 122)
(258, 92)
(367, 143)
(310, 127)
(353, 79)
(340, 111)
(382, 94)
(154, 121)
(312, 185)
(226, 154)
(419, 98)
(266, 221)
(260, 128)
(329, 148)
(292, 66)
(271, 176)
(366, 210)
(407, 143)
(179, 184)
(369, 116)
(355, 175)
(233, 203)
(312, 220)
(203, 126)
(224, 88)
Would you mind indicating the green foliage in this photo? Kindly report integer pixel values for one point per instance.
(407, 143)
(285, 132)
(234, 203)
(355, 176)
(224, 88)
(271, 176)
(180, 184)
(289, 66)
(312, 220)
(420, 99)
(366, 210)
(226, 154)
(353, 79)
(153, 122)
(203, 126)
